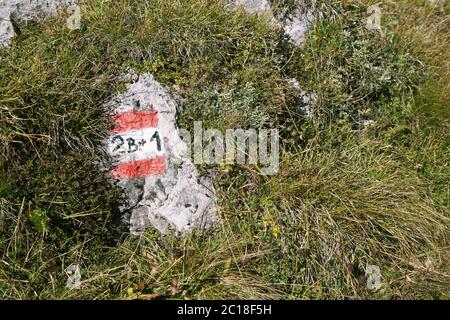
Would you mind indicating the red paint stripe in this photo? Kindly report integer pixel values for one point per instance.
(141, 168)
(134, 120)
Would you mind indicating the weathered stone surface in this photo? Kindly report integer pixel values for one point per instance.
(178, 200)
(295, 24)
(25, 10)
(307, 101)
(298, 23)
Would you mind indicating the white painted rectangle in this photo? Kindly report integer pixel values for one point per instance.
(136, 145)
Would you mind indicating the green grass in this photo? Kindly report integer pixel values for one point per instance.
(346, 195)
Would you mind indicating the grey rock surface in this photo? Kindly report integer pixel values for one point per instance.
(297, 24)
(294, 24)
(25, 10)
(179, 200)
(307, 101)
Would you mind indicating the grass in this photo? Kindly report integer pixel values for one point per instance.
(346, 196)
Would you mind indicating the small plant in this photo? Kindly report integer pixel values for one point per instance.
(40, 220)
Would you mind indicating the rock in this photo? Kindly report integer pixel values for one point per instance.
(6, 31)
(170, 196)
(297, 24)
(307, 101)
(294, 24)
(373, 274)
(25, 10)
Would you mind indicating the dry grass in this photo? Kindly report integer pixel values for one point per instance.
(347, 196)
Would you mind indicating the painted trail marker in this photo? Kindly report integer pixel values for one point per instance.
(152, 163)
(136, 143)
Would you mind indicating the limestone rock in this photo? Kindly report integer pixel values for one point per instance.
(297, 24)
(178, 200)
(25, 10)
(294, 24)
(307, 101)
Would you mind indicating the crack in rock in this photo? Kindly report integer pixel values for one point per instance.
(177, 200)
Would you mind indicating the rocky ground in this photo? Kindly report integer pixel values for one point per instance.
(357, 209)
